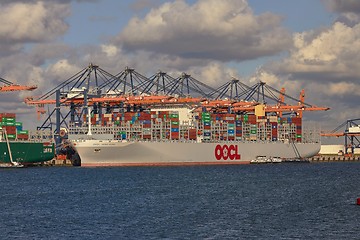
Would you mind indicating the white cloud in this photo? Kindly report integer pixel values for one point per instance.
(223, 30)
(342, 89)
(329, 55)
(214, 74)
(34, 22)
(109, 50)
(62, 70)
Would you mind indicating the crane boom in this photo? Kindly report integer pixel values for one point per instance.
(10, 87)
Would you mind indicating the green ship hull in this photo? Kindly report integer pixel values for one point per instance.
(26, 152)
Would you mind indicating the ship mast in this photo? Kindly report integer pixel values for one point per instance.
(89, 122)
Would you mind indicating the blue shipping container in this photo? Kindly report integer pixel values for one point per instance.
(174, 130)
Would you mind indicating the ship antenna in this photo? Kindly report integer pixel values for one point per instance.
(89, 122)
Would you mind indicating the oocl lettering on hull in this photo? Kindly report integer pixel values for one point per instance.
(225, 152)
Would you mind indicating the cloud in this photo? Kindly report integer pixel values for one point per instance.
(177, 37)
(325, 63)
(209, 29)
(343, 6)
(32, 22)
(348, 10)
(109, 50)
(213, 73)
(327, 55)
(3, 2)
(62, 70)
(342, 89)
(140, 5)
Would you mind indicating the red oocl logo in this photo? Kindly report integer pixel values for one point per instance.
(226, 152)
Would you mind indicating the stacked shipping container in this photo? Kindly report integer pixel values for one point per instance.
(13, 128)
(165, 125)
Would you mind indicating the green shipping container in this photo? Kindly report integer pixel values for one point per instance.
(8, 120)
(11, 136)
(18, 124)
(23, 132)
(8, 123)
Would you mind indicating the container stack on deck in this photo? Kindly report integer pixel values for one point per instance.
(13, 128)
(165, 125)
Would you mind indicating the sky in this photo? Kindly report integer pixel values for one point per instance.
(308, 44)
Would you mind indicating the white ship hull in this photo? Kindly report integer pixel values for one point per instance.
(127, 153)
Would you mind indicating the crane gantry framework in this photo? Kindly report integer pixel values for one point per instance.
(351, 134)
(7, 86)
(95, 87)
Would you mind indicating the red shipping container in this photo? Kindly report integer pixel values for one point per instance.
(147, 136)
(23, 136)
(174, 135)
(274, 132)
(9, 115)
(192, 131)
(10, 129)
(296, 120)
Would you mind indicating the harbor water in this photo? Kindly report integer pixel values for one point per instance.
(279, 201)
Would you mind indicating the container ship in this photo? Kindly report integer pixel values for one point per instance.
(128, 119)
(23, 147)
(182, 136)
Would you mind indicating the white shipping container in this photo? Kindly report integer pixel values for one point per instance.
(354, 129)
(331, 149)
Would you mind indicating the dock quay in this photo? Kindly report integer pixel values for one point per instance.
(54, 163)
(335, 158)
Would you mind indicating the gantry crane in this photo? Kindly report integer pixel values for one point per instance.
(351, 134)
(96, 88)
